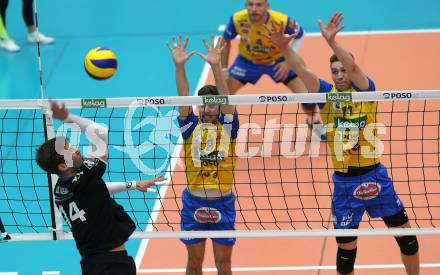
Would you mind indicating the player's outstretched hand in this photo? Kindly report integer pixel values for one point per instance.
(178, 51)
(330, 30)
(144, 185)
(213, 57)
(59, 111)
(278, 37)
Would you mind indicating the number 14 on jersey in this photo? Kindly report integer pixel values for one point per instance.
(74, 213)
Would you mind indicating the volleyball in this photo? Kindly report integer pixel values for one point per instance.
(100, 63)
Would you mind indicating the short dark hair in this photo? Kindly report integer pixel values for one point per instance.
(208, 90)
(47, 156)
(334, 58)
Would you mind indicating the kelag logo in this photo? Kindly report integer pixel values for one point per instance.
(339, 97)
(402, 95)
(215, 100)
(359, 122)
(278, 98)
(93, 103)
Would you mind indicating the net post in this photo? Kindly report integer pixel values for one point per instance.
(57, 223)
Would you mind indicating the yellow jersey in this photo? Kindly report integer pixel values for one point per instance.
(253, 45)
(351, 132)
(210, 152)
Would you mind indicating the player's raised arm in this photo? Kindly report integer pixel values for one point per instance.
(213, 57)
(282, 68)
(282, 41)
(180, 57)
(229, 34)
(225, 57)
(95, 132)
(329, 32)
(299, 32)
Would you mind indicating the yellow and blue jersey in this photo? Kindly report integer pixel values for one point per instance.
(210, 151)
(347, 121)
(253, 45)
(352, 144)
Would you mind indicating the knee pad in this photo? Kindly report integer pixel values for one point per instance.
(345, 260)
(396, 220)
(408, 245)
(346, 239)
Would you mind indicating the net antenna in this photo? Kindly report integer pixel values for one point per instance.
(56, 218)
(40, 67)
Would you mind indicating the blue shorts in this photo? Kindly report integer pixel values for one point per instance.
(309, 106)
(372, 192)
(208, 215)
(246, 71)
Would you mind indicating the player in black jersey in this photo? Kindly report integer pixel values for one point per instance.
(4, 235)
(99, 225)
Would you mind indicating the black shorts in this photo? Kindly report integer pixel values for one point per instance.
(108, 263)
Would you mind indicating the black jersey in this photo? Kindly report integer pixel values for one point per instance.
(98, 223)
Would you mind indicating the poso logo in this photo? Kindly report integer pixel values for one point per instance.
(339, 97)
(151, 101)
(278, 98)
(397, 95)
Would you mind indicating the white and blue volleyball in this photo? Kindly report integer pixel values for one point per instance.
(100, 63)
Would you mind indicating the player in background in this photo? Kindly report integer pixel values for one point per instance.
(209, 143)
(5, 236)
(257, 55)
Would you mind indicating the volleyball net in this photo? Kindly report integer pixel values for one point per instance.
(282, 177)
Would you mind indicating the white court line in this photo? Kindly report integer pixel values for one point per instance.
(163, 189)
(285, 268)
(380, 32)
(43, 273)
(222, 27)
